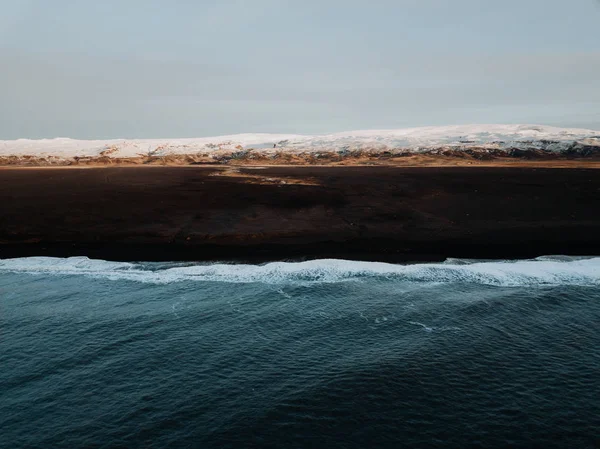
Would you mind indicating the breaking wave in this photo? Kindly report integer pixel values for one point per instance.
(547, 270)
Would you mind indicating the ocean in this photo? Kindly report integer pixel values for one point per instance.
(325, 353)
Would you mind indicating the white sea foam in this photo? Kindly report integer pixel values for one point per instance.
(542, 271)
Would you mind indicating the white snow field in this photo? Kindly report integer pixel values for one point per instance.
(418, 140)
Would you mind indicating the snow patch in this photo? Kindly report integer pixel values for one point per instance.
(422, 139)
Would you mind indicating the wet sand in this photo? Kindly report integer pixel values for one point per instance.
(384, 213)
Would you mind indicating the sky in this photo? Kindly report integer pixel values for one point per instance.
(92, 69)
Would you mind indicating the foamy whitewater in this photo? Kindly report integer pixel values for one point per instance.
(323, 353)
(547, 270)
(423, 139)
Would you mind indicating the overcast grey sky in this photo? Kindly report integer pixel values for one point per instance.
(188, 68)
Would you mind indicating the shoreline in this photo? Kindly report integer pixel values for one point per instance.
(267, 213)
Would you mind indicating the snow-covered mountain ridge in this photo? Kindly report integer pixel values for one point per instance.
(484, 138)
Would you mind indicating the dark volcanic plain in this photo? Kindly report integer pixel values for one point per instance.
(255, 214)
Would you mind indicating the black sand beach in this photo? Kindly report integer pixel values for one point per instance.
(260, 214)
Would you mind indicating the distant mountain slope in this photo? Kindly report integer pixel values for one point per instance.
(491, 139)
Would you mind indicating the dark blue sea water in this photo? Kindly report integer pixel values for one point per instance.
(332, 354)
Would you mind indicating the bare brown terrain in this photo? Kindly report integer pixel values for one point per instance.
(271, 213)
(451, 159)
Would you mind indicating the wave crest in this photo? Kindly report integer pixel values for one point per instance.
(547, 270)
